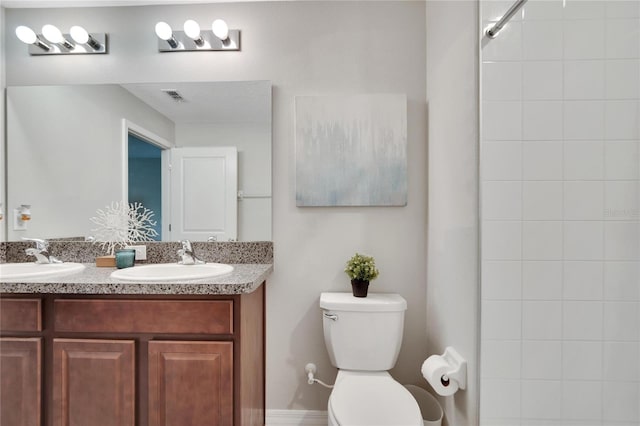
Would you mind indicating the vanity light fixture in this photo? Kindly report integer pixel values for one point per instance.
(28, 36)
(164, 32)
(54, 35)
(193, 39)
(220, 29)
(81, 36)
(192, 30)
(59, 43)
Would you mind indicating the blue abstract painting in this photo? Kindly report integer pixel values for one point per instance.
(351, 150)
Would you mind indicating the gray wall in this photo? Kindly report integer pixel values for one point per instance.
(304, 48)
(452, 254)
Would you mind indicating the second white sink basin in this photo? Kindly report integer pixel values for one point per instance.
(171, 272)
(13, 271)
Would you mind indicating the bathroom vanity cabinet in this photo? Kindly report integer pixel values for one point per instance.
(103, 360)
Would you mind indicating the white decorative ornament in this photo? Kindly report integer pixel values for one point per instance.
(141, 223)
(120, 224)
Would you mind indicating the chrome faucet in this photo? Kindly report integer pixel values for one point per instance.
(41, 251)
(187, 256)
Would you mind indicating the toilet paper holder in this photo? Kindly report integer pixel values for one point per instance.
(458, 371)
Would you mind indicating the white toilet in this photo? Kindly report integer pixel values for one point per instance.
(363, 337)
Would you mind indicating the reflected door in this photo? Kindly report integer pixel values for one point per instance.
(204, 188)
(145, 177)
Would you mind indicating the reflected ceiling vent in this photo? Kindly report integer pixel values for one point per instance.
(174, 94)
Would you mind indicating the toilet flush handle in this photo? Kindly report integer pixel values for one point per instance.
(332, 317)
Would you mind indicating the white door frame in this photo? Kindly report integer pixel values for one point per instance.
(148, 136)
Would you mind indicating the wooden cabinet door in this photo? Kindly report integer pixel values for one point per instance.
(93, 382)
(190, 383)
(20, 370)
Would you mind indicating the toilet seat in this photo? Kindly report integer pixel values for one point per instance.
(372, 399)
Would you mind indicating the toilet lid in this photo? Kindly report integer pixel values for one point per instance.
(373, 400)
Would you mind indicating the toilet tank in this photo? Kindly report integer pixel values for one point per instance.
(363, 333)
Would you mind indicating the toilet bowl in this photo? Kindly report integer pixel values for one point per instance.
(363, 337)
(371, 399)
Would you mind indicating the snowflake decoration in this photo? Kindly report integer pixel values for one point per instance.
(121, 224)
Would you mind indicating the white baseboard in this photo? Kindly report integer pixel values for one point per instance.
(295, 417)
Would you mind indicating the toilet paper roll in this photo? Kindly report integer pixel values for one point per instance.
(435, 369)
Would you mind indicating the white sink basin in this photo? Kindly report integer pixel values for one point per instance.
(171, 272)
(12, 271)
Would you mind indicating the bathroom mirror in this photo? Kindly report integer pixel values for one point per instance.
(74, 149)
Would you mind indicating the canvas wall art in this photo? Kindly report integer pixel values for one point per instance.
(351, 150)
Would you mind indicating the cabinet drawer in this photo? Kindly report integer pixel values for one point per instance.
(20, 315)
(144, 316)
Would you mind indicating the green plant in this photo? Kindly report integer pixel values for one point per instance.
(361, 267)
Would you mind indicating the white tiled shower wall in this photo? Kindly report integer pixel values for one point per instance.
(560, 175)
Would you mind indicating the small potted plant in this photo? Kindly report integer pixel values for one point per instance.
(361, 269)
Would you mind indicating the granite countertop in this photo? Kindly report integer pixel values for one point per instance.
(245, 278)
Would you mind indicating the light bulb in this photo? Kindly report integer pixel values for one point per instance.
(26, 34)
(163, 31)
(79, 34)
(192, 29)
(220, 29)
(52, 33)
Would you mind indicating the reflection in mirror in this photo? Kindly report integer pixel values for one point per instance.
(74, 149)
(144, 170)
